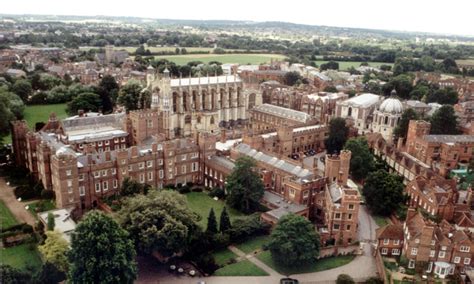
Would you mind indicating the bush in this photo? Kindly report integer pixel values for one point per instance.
(26, 192)
(206, 263)
(47, 194)
(243, 229)
(344, 279)
(217, 192)
(220, 240)
(184, 189)
(197, 189)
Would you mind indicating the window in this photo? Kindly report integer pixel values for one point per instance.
(384, 251)
(335, 226)
(105, 185)
(195, 166)
(183, 169)
(150, 176)
(337, 216)
(457, 259)
(292, 193)
(107, 142)
(417, 241)
(122, 139)
(348, 227)
(82, 190)
(69, 190)
(130, 168)
(396, 251)
(160, 174)
(194, 155)
(305, 194)
(100, 143)
(467, 261)
(465, 248)
(386, 241)
(396, 242)
(441, 254)
(114, 171)
(432, 253)
(414, 251)
(68, 172)
(142, 178)
(432, 242)
(97, 187)
(115, 183)
(124, 161)
(183, 157)
(443, 248)
(149, 164)
(104, 173)
(351, 206)
(349, 216)
(81, 177)
(411, 264)
(149, 123)
(97, 174)
(160, 162)
(69, 183)
(141, 165)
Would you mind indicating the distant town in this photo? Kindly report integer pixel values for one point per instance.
(173, 151)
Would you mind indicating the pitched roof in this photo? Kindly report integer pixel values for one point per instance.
(390, 231)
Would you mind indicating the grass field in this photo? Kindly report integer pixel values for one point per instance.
(21, 257)
(319, 265)
(254, 244)
(242, 268)
(40, 113)
(380, 221)
(344, 65)
(223, 256)
(223, 58)
(6, 217)
(131, 49)
(201, 203)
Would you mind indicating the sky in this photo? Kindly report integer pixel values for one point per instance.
(438, 16)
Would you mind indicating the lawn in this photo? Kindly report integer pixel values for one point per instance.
(223, 58)
(201, 203)
(319, 265)
(40, 113)
(6, 217)
(35, 207)
(242, 268)
(380, 221)
(254, 244)
(223, 256)
(344, 65)
(21, 257)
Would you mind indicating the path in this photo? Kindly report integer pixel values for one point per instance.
(251, 257)
(16, 207)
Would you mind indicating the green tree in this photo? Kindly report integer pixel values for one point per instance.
(338, 133)
(330, 89)
(344, 279)
(12, 275)
(444, 121)
(129, 95)
(402, 84)
(160, 222)
(211, 223)
(331, 65)
(383, 192)
(224, 222)
(362, 160)
(108, 90)
(86, 102)
(402, 128)
(54, 250)
(294, 241)
(291, 78)
(244, 186)
(447, 96)
(101, 252)
(51, 222)
(130, 187)
(50, 274)
(23, 89)
(14, 105)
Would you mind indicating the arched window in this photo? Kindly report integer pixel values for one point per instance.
(349, 111)
(386, 120)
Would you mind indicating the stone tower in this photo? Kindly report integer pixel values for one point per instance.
(416, 128)
(337, 167)
(285, 135)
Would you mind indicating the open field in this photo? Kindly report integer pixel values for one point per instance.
(344, 65)
(223, 256)
(201, 203)
(319, 265)
(6, 217)
(223, 58)
(242, 268)
(131, 49)
(40, 113)
(21, 257)
(254, 244)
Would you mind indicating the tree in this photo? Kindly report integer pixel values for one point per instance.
(51, 222)
(402, 128)
(330, 89)
(443, 96)
(159, 222)
(402, 84)
(383, 192)
(23, 89)
(130, 187)
(211, 223)
(101, 252)
(129, 95)
(108, 90)
(444, 121)
(344, 279)
(362, 160)
(332, 65)
(224, 222)
(86, 102)
(12, 275)
(291, 78)
(338, 133)
(50, 274)
(244, 186)
(294, 241)
(54, 250)
(13, 102)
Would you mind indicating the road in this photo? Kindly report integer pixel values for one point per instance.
(16, 207)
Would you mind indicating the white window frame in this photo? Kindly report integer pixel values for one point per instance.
(104, 173)
(183, 169)
(97, 174)
(414, 251)
(82, 190)
(395, 251)
(384, 251)
(105, 185)
(68, 172)
(97, 187)
(411, 264)
(467, 261)
(115, 183)
(396, 242)
(441, 254)
(457, 259)
(386, 241)
(161, 174)
(432, 253)
(150, 176)
(149, 164)
(465, 248)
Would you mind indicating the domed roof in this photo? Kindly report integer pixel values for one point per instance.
(391, 105)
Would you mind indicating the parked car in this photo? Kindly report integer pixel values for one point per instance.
(289, 281)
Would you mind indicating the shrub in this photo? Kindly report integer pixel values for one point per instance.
(244, 228)
(344, 279)
(197, 189)
(206, 263)
(217, 192)
(184, 189)
(220, 240)
(47, 194)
